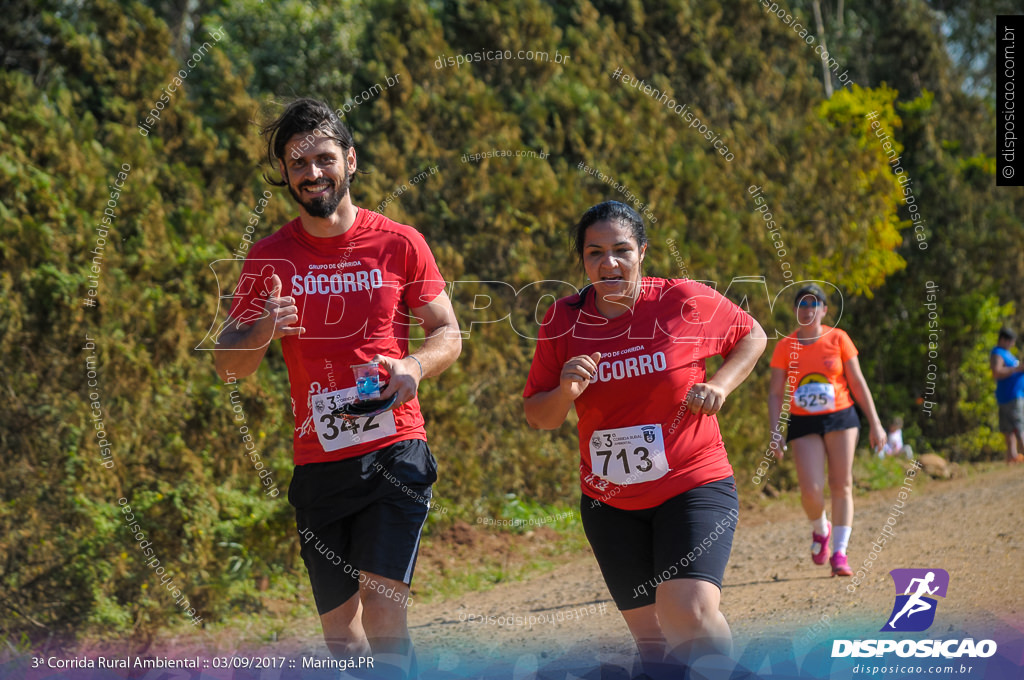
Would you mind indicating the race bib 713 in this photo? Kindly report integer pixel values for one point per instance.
(629, 455)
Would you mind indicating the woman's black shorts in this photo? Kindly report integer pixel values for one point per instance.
(801, 426)
(688, 536)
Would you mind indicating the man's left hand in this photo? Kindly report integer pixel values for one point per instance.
(405, 378)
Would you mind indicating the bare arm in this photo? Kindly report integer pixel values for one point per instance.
(440, 349)
(241, 347)
(776, 398)
(861, 393)
(738, 364)
(547, 410)
(999, 368)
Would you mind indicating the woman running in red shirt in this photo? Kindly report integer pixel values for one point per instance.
(659, 502)
(817, 367)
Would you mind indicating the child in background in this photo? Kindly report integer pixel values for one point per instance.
(894, 445)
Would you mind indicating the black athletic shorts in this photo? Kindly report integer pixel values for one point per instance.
(362, 514)
(801, 426)
(688, 536)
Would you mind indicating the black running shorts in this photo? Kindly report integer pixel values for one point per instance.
(688, 536)
(362, 514)
(801, 426)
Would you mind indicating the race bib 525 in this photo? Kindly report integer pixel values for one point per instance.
(816, 397)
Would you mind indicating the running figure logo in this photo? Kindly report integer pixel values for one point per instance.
(914, 610)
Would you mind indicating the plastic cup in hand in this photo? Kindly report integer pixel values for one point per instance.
(367, 381)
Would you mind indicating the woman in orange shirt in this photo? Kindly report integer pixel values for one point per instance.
(816, 369)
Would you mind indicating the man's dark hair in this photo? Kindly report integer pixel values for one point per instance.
(303, 116)
(1006, 334)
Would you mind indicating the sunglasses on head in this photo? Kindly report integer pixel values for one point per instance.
(810, 303)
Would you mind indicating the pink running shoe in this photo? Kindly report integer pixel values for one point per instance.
(819, 546)
(840, 567)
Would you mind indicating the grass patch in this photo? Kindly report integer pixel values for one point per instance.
(475, 552)
(871, 473)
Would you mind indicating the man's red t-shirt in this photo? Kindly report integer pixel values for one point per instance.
(639, 444)
(354, 293)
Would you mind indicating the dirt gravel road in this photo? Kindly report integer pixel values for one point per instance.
(971, 527)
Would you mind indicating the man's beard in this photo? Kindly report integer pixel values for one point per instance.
(324, 205)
